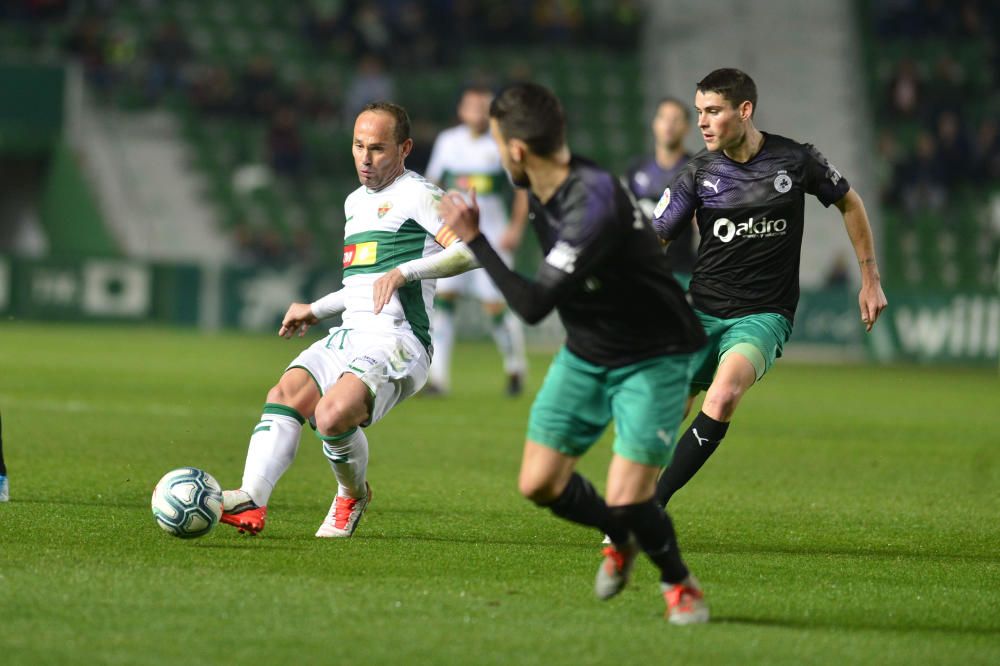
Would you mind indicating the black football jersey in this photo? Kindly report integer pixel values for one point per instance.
(751, 219)
(603, 271)
(646, 179)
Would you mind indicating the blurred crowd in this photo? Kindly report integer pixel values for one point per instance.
(347, 54)
(376, 37)
(938, 114)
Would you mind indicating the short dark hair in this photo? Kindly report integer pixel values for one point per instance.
(676, 102)
(531, 113)
(736, 86)
(401, 132)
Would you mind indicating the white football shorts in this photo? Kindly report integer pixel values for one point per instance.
(393, 367)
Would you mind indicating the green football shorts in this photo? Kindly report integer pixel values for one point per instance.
(758, 337)
(646, 401)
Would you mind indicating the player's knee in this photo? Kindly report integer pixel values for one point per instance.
(720, 403)
(278, 395)
(538, 490)
(335, 416)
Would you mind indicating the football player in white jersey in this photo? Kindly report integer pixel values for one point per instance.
(394, 245)
(466, 157)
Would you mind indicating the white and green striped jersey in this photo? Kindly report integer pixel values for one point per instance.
(384, 229)
(460, 160)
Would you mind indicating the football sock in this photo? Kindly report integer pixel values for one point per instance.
(348, 456)
(580, 503)
(508, 334)
(273, 445)
(443, 338)
(694, 447)
(655, 533)
(3, 465)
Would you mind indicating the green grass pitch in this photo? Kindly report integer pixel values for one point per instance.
(851, 517)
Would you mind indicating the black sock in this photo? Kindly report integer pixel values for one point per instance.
(3, 466)
(655, 533)
(693, 448)
(580, 503)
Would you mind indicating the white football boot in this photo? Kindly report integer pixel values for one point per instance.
(344, 515)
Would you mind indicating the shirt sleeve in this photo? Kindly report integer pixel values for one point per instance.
(586, 238)
(426, 214)
(822, 178)
(678, 204)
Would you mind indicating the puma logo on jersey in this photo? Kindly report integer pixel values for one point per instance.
(665, 438)
(714, 186)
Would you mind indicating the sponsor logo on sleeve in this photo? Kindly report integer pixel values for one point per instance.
(662, 204)
(563, 257)
(833, 174)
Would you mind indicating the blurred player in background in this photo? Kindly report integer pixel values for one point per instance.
(748, 189)
(466, 157)
(380, 355)
(4, 483)
(629, 338)
(649, 176)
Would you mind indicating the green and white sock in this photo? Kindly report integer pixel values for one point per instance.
(273, 445)
(348, 456)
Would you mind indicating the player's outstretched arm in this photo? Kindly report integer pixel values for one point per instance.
(456, 258)
(301, 316)
(871, 298)
(532, 300)
(297, 319)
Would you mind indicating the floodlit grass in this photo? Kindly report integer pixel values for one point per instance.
(850, 517)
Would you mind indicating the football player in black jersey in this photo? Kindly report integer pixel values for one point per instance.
(648, 176)
(747, 189)
(630, 335)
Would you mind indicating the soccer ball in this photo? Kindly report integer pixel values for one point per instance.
(187, 502)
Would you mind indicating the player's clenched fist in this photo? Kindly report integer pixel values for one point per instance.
(461, 216)
(298, 318)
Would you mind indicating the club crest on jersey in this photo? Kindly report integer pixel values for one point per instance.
(782, 182)
(361, 254)
(384, 208)
(662, 204)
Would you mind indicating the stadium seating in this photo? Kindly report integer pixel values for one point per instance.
(956, 245)
(603, 102)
